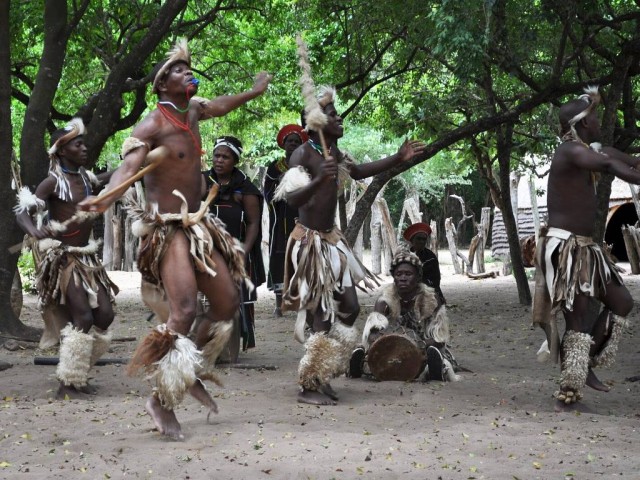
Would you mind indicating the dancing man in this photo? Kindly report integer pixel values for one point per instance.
(183, 248)
(74, 291)
(282, 217)
(322, 272)
(571, 266)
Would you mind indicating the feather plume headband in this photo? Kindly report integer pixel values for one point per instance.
(592, 97)
(179, 53)
(73, 129)
(314, 116)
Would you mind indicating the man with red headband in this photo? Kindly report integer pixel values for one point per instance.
(282, 217)
(418, 236)
(570, 266)
(183, 248)
(74, 291)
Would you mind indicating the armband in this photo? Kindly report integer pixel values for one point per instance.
(294, 179)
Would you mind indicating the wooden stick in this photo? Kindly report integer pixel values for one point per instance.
(101, 361)
(154, 158)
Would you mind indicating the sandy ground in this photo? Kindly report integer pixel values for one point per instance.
(497, 423)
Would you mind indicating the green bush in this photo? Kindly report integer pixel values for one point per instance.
(27, 269)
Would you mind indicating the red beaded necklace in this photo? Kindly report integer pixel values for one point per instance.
(184, 126)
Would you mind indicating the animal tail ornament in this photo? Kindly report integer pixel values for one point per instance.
(314, 116)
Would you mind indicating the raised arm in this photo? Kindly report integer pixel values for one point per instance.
(223, 104)
(406, 152)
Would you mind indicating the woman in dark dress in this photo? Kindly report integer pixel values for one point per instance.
(282, 217)
(239, 205)
(418, 236)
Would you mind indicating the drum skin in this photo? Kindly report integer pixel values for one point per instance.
(395, 357)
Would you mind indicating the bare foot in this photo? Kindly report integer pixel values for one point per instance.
(277, 312)
(595, 383)
(313, 397)
(165, 420)
(328, 390)
(200, 393)
(69, 392)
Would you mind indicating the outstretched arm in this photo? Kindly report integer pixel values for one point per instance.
(609, 161)
(406, 152)
(223, 104)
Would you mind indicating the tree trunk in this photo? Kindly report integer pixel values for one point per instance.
(11, 235)
(107, 246)
(33, 156)
(450, 231)
(376, 239)
(631, 245)
(505, 137)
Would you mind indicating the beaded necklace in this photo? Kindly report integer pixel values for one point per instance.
(315, 146)
(184, 126)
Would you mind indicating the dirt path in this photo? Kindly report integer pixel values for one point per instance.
(498, 423)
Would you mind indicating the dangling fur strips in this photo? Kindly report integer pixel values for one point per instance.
(59, 264)
(207, 234)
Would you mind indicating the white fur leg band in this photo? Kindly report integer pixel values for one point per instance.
(294, 179)
(75, 357)
(575, 363)
(220, 332)
(607, 356)
(101, 344)
(327, 355)
(171, 361)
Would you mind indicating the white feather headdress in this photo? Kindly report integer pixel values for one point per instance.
(592, 98)
(179, 53)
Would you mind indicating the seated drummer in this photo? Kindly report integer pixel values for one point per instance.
(413, 309)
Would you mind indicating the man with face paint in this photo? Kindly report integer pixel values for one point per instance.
(183, 248)
(322, 272)
(282, 217)
(74, 291)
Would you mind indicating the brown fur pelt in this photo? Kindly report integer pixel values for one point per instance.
(150, 350)
(528, 247)
(434, 319)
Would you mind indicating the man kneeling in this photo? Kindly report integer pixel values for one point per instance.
(406, 335)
